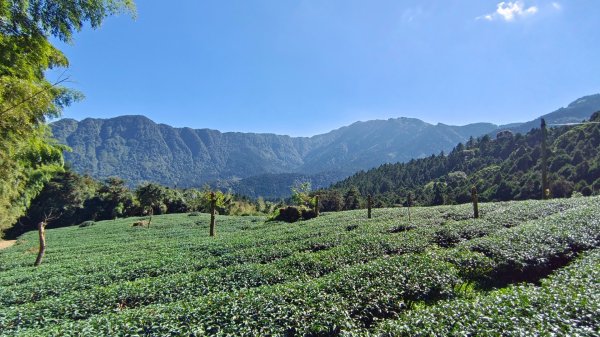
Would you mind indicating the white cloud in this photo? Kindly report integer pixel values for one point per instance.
(556, 6)
(509, 11)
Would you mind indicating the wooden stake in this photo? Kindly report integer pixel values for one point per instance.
(545, 189)
(369, 204)
(213, 206)
(408, 202)
(475, 200)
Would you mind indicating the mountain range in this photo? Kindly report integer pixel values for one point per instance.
(138, 150)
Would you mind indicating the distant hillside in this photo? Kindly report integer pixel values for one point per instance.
(580, 109)
(273, 186)
(137, 150)
(368, 144)
(506, 168)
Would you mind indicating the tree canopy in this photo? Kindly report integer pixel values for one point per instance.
(28, 155)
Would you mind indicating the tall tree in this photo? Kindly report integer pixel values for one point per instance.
(115, 197)
(28, 156)
(63, 195)
(352, 199)
(152, 196)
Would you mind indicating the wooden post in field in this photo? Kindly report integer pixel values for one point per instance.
(545, 189)
(475, 199)
(369, 205)
(408, 202)
(317, 205)
(213, 206)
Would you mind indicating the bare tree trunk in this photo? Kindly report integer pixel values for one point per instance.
(42, 235)
(317, 205)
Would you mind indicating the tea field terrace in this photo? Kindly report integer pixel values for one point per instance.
(528, 267)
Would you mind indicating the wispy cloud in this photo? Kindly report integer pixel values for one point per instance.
(410, 14)
(511, 10)
(556, 6)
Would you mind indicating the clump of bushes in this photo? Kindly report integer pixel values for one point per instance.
(308, 214)
(289, 214)
(242, 208)
(87, 223)
(294, 213)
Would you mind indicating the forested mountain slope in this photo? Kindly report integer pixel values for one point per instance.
(137, 149)
(505, 168)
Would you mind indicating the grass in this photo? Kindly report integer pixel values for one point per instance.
(339, 274)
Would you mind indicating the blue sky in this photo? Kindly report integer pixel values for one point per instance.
(306, 67)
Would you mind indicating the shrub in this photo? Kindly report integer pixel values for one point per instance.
(308, 214)
(242, 208)
(446, 237)
(289, 214)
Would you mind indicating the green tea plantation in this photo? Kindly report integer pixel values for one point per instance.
(523, 268)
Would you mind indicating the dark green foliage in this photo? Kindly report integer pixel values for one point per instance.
(308, 214)
(352, 199)
(153, 196)
(438, 194)
(506, 168)
(289, 214)
(65, 195)
(330, 200)
(79, 198)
